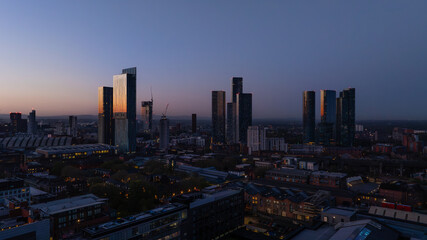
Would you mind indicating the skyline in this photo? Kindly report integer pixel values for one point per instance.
(61, 57)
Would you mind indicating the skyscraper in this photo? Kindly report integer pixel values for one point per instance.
(309, 111)
(218, 116)
(346, 116)
(124, 107)
(164, 133)
(147, 115)
(231, 122)
(72, 126)
(17, 124)
(194, 123)
(105, 115)
(32, 124)
(328, 108)
(243, 116)
(236, 87)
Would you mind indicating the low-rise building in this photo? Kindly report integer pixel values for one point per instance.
(14, 188)
(77, 151)
(160, 223)
(328, 179)
(14, 228)
(288, 175)
(337, 215)
(212, 215)
(70, 215)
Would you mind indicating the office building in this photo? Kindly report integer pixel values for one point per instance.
(164, 133)
(105, 116)
(72, 126)
(17, 124)
(346, 114)
(76, 151)
(70, 215)
(32, 123)
(309, 113)
(256, 139)
(13, 188)
(124, 107)
(147, 115)
(212, 215)
(218, 116)
(161, 223)
(243, 116)
(15, 228)
(194, 123)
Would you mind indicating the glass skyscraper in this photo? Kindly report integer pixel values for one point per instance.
(147, 115)
(231, 122)
(105, 116)
(124, 107)
(243, 116)
(328, 108)
(32, 124)
(236, 87)
(218, 116)
(309, 113)
(346, 116)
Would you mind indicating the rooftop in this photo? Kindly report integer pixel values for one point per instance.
(138, 218)
(289, 171)
(67, 204)
(207, 198)
(338, 211)
(75, 148)
(329, 174)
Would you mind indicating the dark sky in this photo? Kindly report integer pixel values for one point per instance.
(54, 54)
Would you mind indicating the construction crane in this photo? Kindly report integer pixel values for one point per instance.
(164, 113)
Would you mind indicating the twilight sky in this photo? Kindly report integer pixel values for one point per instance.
(54, 54)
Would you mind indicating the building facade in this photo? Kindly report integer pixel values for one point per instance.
(124, 107)
(194, 123)
(72, 126)
(32, 123)
(160, 223)
(105, 115)
(218, 116)
(309, 113)
(328, 108)
(164, 133)
(243, 116)
(147, 115)
(346, 116)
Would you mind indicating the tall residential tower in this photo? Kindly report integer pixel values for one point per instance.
(346, 116)
(328, 108)
(105, 116)
(243, 116)
(124, 108)
(218, 116)
(309, 111)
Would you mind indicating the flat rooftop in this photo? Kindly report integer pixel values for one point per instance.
(342, 212)
(135, 219)
(75, 148)
(68, 204)
(207, 198)
(329, 174)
